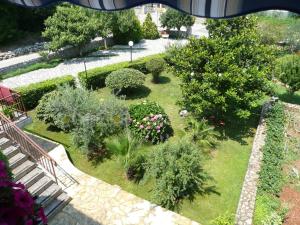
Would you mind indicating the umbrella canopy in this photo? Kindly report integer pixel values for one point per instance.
(202, 8)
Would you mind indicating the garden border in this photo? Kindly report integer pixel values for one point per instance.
(245, 210)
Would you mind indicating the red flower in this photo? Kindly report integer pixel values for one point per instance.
(23, 200)
(29, 222)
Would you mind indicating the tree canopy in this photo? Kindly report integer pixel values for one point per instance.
(175, 19)
(70, 25)
(225, 74)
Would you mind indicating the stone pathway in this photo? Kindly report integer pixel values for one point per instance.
(72, 67)
(96, 202)
(244, 214)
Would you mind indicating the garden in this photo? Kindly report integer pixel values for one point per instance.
(177, 128)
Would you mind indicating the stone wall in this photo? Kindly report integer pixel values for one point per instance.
(39, 46)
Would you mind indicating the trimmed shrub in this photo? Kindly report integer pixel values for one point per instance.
(149, 122)
(270, 177)
(155, 67)
(95, 78)
(125, 79)
(177, 173)
(288, 71)
(32, 93)
(149, 28)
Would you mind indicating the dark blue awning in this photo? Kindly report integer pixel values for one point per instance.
(202, 8)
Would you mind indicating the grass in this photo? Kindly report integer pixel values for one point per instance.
(40, 65)
(282, 93)
(227, 165)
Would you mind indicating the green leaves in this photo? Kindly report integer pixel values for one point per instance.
(125, 79)
(288, 71)
(149, 28)
(175, 19)
(226, 74)
(70, 25)
(178, 174)
(271, 168)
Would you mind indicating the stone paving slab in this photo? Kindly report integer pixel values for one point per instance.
(96, 202)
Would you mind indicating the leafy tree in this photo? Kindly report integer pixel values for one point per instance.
(288, 71)
(175, 19)
(178, 174)
(8, 23)
(225, 74)
(149, 28)
(70, 25)
(126, 27)
(103, 23)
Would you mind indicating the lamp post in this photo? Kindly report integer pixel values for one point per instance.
(130, 43)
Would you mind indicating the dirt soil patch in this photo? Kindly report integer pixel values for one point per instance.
(291, 197)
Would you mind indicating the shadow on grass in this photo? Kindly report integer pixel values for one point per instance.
(290, 98)
(238, 130)
(137, 93)
(163, 80)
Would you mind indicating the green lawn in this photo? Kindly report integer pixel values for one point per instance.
(36, 66)
(227, 164)
(285, 96)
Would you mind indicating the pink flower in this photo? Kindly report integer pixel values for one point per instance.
(158, 128)
(3, 173)
(141, 126)
(153, 119)
(158, 131)
(29, 222)
(148, 127)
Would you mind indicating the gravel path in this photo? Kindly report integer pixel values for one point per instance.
(72, 67)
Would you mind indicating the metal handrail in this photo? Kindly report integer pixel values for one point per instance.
(28, 146)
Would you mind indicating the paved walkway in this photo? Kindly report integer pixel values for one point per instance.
(19, 59)
(72, 67)
(96, 202)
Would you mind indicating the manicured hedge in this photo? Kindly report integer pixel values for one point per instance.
(32, 93)
(270, 177)
(95, 78)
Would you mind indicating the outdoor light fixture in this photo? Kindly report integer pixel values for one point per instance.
(130, 43)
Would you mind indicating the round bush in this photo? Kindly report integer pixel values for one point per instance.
(148, 121)
(124, 79)
(156, 66)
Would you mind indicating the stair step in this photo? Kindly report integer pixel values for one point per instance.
(11, 151)
(2, 134)
(48, 195)
(57, 205)
(23, 169)
(4, 142)
(41, 185)
(30, 178)
(17, 160)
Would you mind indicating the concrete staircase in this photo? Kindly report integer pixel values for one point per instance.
(37, 181)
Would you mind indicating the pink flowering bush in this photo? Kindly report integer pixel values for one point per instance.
(149, 122)
(17, 206)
